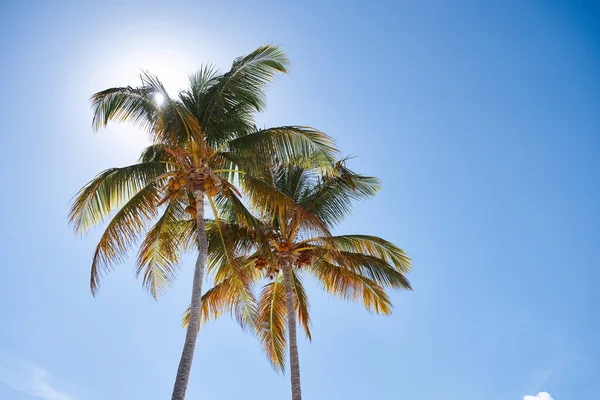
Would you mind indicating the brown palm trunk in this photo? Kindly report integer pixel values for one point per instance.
(185, 365)
(291, 317)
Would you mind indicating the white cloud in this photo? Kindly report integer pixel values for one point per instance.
(539, 396)
(31, 379)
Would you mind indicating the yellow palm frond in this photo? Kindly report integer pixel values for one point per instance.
(159, 253)
(272, 322)
(352, 286)
(122, 231)
(227, 296)
(267, 199)
(369, 245)
(110, 190)
(374, 268)
(301, 304)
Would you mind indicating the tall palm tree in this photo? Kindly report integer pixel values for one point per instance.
(204, 141)
(283, 244)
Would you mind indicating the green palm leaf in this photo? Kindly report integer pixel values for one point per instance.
(332, 198)
(170, 122)
(110, 190)
(291, 144)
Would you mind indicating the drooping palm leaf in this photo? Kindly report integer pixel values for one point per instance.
(227, 296)
(302, 304)
(371, 245)
(272, 322)
(122, 231)
(159, 253)
(352, 286)
(110, 190)
(374, 268)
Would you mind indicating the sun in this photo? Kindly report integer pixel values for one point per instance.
(159, 99)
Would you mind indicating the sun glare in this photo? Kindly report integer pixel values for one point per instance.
(165, 57)
(159, 98)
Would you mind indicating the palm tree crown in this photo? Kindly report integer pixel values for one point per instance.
(201, 141)
(204, 140)
(286, 241)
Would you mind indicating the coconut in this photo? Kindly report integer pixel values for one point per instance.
(190, 210)
(171, 182)
(181, 180)
(207, 185)
(213, 191)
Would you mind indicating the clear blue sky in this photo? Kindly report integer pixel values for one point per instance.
(482, 119)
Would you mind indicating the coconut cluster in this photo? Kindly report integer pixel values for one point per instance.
(176, 183)
(191, 210)
(304, 258)
(261, 262)
(210, 187)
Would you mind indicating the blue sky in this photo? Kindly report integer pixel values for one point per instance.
(482, 118)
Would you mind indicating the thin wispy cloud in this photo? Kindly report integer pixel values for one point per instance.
(539, 396)
(30, 378)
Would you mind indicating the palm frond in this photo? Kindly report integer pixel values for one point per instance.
(295, 145)
(301, 303)
(239, 93)
(370, 245)
(234, 211)
(170, 122)
(202, 80)
(110, 190)
(267, 199)
(154, 153)
(375, 268)
(227, 245)
(196, 98)
(137, 105)
(272, 322)
(332, 197)
(159, 253)
(122, 232)
(227, 296)
(352, 286)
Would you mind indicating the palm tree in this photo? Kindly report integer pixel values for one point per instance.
(204, 141)
(283, 244)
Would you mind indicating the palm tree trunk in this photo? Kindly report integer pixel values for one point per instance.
(291, 318)
(185, 365)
